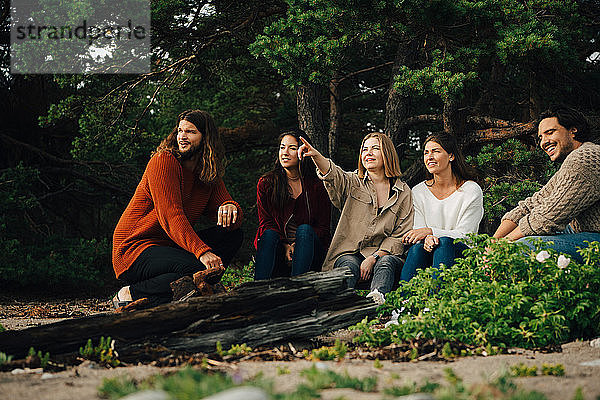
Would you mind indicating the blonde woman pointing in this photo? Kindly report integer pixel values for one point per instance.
(376, 211)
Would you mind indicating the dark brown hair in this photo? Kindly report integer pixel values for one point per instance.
(460, 169)
(569, 118)
(280, 193)
(210, 164)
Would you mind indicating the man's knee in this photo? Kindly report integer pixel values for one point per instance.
(235, 237)
(187, 268)
(528, 241)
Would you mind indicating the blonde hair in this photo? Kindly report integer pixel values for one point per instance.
(391, 161)
(210, 161)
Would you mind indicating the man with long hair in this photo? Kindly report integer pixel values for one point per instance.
(566, 211)
(154, 242)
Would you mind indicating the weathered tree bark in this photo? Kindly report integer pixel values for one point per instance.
(396, 105)
(335, 114)
(310, 115)
(509, 130)
(534, 104)
(454, 119)
(256, 313)
(479, 129)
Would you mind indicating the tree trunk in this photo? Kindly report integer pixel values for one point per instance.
(534, 108)
(396, 105)
(256, 313)
(335, 114)
(310, 115)
(500, 133)
(450, 116)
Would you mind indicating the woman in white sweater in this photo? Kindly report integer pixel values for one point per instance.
(448, 205)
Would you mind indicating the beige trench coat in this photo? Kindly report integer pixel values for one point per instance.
(360, 229)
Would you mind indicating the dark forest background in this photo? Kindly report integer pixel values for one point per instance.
(73, 147)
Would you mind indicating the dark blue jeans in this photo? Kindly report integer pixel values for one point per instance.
(417, 257)
(270, 259)
(565, 242)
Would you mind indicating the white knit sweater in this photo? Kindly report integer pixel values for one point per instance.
(455, 216)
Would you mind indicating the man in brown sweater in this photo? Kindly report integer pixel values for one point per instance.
(566, 211)
(154, 242)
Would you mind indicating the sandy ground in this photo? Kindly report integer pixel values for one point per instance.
(82, 382)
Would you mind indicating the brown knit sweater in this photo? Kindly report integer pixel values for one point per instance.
(572, 196)
(167, 202)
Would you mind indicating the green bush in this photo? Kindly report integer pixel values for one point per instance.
(43, 357)
(324, 353)
(4, 358)
(553, 369)
(234, 275)
(30, 255)
(56, 262)
(502, 297)
(235, 350)
(104, 353)
(521, 370)
(324, 379)
(511, 173)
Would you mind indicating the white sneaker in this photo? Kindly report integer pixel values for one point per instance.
(377, 297)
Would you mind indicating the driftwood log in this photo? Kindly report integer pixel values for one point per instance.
(256, 313)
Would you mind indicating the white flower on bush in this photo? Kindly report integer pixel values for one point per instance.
(563, 262)
(542, 256)
(394, 319)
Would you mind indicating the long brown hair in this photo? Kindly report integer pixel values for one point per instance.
(210, 164)
(460, 169)
(391, 161)
(280, 193)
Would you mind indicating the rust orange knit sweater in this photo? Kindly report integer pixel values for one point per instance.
(167, 202)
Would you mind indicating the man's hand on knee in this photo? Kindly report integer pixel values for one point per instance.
(227, 215)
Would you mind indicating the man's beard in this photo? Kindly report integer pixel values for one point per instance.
(191, 153)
